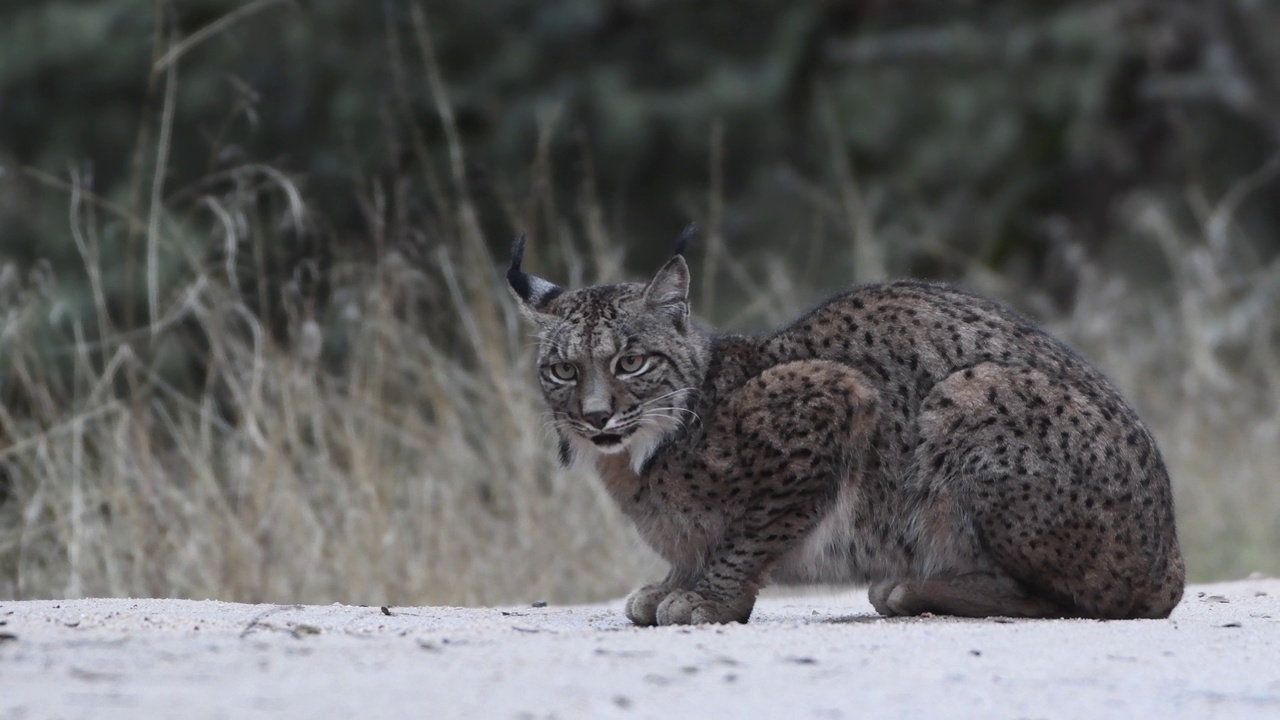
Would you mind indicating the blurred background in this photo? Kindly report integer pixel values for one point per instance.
(254, 339)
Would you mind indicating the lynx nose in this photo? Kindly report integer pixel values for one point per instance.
(597, 419)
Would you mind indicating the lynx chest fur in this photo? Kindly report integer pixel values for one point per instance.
(908, 435)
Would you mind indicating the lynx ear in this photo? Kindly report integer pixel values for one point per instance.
(668, 291)
(532, 293)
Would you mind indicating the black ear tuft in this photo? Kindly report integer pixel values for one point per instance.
(532, 291)
(516, 277)
(682, 243)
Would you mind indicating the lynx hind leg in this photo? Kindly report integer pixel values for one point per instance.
(1065, 491)
(975, 594)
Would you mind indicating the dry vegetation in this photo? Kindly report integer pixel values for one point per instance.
(421, 470)
(418, 471)
(389, 445)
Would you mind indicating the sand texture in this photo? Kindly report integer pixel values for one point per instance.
(824, 656)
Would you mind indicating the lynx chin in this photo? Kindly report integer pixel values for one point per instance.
(910, 436)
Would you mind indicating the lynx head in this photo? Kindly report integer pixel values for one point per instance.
(620, 365)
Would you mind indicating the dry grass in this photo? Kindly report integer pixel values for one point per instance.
(420, 469)
(417, 471)
(391, 450)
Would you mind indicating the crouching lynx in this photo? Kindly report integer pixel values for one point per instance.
(907, 435)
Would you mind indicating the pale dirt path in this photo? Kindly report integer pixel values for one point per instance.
(800, 657)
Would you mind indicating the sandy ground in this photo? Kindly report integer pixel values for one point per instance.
(823, 656)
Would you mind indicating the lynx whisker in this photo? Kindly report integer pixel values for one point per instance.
(660, 412)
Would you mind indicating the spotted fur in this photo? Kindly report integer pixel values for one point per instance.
(907, 435)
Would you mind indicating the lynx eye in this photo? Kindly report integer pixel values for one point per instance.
(564, 371)
(628, 364)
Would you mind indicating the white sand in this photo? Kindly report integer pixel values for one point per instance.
(800, 657)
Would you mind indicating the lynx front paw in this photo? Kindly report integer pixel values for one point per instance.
(686, 607)
(642, 605)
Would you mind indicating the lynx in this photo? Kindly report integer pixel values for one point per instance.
(908, 435)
